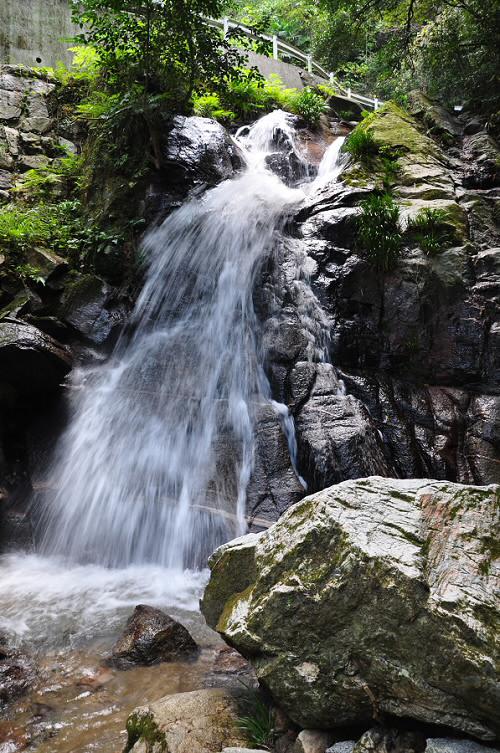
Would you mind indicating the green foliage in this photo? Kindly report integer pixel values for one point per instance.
(309, 105)
(209, 106)
(432, 231)
(290, 20)
(379, 235)
(248, 97)
(51, 225)
(361, 145)
(258, 724)
(57, 178)
(161, 47)
(448, 48)
(85, 66)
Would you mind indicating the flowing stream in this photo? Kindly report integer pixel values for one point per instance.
(151, 474)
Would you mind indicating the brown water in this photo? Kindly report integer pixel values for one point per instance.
(68, 619)
(81, 706)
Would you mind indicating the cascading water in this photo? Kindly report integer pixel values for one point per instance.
(151, 474)
(137, 475)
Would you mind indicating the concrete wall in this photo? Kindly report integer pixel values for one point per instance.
(291, 75)
(32, 31)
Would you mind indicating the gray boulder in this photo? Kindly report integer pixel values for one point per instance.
(87, 306)
(150, 637)
(382, 740)
(374, 596)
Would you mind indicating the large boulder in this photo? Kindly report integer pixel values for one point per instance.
(374, 596)
(200, 150)
(151, 636)
(30, 361)
(202, 721)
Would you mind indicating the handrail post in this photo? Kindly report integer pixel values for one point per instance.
(226, 26)
(330, 77)
(375, 103)
(349, 93)
(309, 64)
(275, 47)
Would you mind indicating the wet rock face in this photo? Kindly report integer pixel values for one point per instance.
(414, 387)
(372, 597)
(200, 150)
(31, 362)
(150, 637)
(17, 672)
(203, 721)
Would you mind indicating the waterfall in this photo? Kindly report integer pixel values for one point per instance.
(154, 465)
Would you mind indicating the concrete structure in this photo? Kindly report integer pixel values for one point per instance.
(291, 75)
(32, 32)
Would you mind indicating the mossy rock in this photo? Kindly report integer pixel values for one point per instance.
(376, 596)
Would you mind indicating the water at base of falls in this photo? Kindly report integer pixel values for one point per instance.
(151, 474)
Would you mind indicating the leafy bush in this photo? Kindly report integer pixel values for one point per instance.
(431, 230)
(52, 225)
(248, 97)
(361, 145)
(378, 231)
(309, 105)
(209, 106)
(85, 66)
(161, 47)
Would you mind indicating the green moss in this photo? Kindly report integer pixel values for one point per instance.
(394, 128)
(222, 623)
(143, 727)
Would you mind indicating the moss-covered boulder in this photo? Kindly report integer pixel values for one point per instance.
(376, 596)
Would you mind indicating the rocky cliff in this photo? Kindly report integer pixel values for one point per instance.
(390, 373)
(393, 373)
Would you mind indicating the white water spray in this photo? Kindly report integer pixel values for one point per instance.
(162, 435)
(138, 477)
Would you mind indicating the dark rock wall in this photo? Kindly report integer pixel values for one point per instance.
(412, 389)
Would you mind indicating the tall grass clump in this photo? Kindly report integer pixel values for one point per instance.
(379, 235)
(431, 230)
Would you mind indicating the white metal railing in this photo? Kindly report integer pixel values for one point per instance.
(278, 45)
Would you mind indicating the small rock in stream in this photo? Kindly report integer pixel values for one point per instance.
(17, 672)
(312, 741)
(151, 637)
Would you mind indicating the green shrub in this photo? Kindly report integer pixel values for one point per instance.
(431, 230)
(85, 66)
(247, 97)
(379, 235)
(361, 145)
(309, 105)
(54, 226)
(209, 106)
